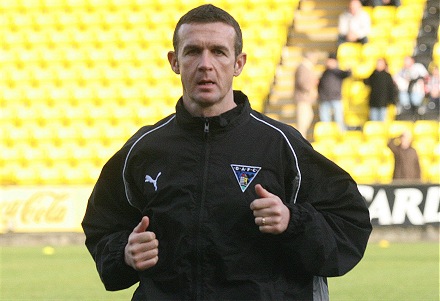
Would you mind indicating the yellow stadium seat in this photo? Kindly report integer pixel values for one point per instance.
(90, 173)
(7, 175)
(370, 151)
(363, 69)
(375, 131)
(399, 49)
(436, 152)
(326, 131)
(404, 32)
(79, 154)
(324, 147)
(343, 150)
(385, 172)
(425, 148)
(433, 173)
(425, 165)
(53, 5)
(383, 15)
(378, 35)
(355, 137)
(22, 21)
(347, 163)
(30, 156)
(9, 155)
(396, 127)
(73, 176)
(52, 175)
(349, 54)
(405, 13)
(395, 64)
(365, 173)
(426, 129)
(42, 135)
(436, 52)
(88, 133)
(16, 135)
(29, 175)
(59, 154)
(412, 2)
(66, 134)
(373, 51)
(9, 6)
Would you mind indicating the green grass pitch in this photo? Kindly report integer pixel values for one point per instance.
(400, 271)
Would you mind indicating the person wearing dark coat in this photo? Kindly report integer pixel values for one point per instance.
(329, 92)
(382, 91)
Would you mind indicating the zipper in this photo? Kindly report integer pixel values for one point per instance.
(206, 128)
(199, 293)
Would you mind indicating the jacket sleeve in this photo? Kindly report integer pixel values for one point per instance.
(330, 224)
(108, 221)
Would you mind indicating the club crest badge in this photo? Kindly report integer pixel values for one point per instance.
(245, 174)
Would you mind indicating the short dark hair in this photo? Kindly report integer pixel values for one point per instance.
(209, 13)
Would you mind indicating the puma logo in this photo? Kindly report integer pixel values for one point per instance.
(149, 179)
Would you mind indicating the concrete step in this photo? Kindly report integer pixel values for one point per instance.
(314, 28)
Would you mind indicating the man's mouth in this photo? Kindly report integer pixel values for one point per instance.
(206, 83)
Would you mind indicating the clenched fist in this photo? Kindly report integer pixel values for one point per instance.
(141, 251)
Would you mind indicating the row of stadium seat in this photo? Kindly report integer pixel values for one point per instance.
(391, 15)
(357, 150)
(378, 130)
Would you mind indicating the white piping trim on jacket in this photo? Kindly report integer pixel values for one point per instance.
(291, 148)
(129, 152)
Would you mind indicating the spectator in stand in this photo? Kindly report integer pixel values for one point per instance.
(433, 88)
(354, 24)
(329, 92)
(410, 81)
(382, 91)
(406, 160)
(381, 2)
(305, 92)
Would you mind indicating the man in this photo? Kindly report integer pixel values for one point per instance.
(406, 160)
(330, 92)
(218, 201)
(354, 24)
(305, 92)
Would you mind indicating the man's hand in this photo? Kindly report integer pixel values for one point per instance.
(141, 251)
(271, 215)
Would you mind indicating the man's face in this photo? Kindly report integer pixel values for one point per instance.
(207, 64)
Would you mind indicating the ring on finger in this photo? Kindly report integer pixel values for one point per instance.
(263, 221)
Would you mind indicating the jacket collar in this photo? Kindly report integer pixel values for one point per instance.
(217, 123)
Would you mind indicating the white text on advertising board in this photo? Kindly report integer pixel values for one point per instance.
(398, 206)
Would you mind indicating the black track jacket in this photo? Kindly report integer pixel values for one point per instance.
(194, 177)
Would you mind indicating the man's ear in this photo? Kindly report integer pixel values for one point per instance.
(172, 58)
(239, 63)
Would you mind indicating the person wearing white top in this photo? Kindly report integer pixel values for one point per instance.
(354, 24)
(410, 81)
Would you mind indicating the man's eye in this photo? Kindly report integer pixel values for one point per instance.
(192, 51)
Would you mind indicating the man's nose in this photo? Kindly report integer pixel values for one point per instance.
(205, 61)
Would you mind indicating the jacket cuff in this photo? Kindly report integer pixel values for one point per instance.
(125, 276)
(297, 222)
